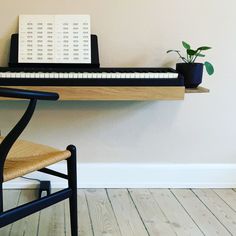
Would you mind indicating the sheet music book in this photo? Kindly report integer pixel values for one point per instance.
(54, 39)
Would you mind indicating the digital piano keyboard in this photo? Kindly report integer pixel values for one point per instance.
(90, 77)
(43, 74)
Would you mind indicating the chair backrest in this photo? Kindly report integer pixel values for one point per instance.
(12, 136)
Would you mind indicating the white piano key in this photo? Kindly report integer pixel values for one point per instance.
(89, 75)
(61, 75)
(85, 75)
(17, 74)
(168, 75)
(27, 75)
(155, 76)
(136, 75)
(51, 75)
(22, 75)
(36, 75)
(80, 76)
(118, 75)
(70, 76)
(32, 75)
(161, 75)
(104, 75)
(7, 75)
(173, 75)
(66, 75)
(148, 75)
(75, 76)
(46, 75)
(125, 75)
(41, 75)
(13, 75)
(141, 74)
(165, 75)
(113, 75)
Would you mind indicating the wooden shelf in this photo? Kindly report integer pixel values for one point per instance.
(110, 93)
(89, 93)
(197, 90)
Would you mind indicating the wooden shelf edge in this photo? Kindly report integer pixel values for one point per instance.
(199, 89)
(112, 93)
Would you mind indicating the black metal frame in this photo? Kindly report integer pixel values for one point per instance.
(10, 216)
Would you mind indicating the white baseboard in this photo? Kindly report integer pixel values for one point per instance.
(118, 175)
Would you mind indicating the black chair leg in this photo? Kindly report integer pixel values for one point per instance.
(72, 181)
(1, 198)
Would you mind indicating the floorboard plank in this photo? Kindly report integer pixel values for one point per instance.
(84, 222)
(177, 216)
(228, 195)
(205, 220)
(52, 220)
(10, 200)
(133, 212)
(219, 208)
(27, 226)
(153, 218)
(102, 216)
(127, 216)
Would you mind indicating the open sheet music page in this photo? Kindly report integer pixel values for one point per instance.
(54, 39)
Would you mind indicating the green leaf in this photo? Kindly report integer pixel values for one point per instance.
(209, 68)
(191, 52)
(204, 48)
(186, 45)
(172, 51)
(200, 55)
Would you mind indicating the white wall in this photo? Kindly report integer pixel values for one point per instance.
(201, 129)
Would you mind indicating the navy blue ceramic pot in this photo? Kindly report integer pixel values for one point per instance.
(192, 73)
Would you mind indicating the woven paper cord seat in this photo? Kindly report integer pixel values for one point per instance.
(21, 161)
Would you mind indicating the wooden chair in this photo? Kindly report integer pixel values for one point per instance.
(18, 158)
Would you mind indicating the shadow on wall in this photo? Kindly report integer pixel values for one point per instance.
(4, 51)
(87, 115)
(5, 44)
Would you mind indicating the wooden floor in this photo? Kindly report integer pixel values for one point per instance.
(132, 212)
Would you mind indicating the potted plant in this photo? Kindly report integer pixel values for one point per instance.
(191, 70)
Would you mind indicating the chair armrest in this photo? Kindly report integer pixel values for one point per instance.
(27, 94)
